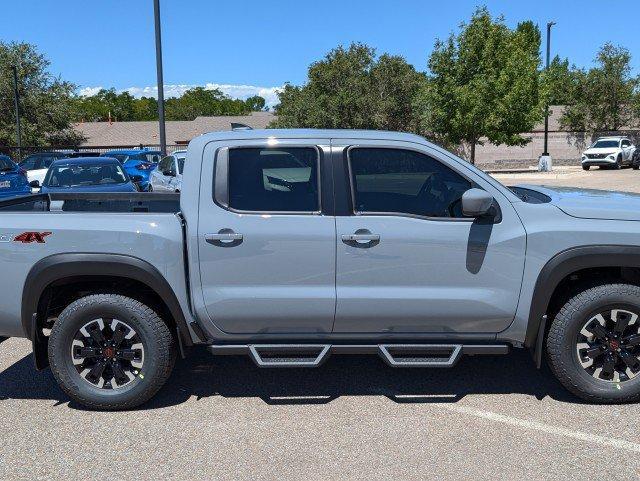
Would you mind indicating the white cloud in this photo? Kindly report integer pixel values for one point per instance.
(270, 94)
(89, 91)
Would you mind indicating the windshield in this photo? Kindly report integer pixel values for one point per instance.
(122, 158)
(6, 163)
(605, 144)
(71, 175)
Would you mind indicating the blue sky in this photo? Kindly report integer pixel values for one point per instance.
(110, 43)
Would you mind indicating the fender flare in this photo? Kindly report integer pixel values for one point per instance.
(60, 266)
(559, 267)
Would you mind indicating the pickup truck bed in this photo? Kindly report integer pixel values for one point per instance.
(99, 202)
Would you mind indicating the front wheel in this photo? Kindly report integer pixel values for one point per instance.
(586, 167)
(109, 351)
(593, 345)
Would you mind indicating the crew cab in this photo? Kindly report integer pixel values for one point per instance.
(609, 152)
(290, 246)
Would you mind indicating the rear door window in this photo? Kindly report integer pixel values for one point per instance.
(274, 179)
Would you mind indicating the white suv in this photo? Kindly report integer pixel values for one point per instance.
(613, 152)
(168, 176)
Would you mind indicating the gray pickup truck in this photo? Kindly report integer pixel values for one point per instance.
(293, 245)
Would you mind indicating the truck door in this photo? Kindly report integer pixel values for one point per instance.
(408, 261)
(266, 246)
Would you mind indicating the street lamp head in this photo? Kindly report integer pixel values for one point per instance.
(550, 24)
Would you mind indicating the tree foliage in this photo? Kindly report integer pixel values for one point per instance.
(45, 101)
(198, 101)
(352, 88)
(560, 82)
(605, 95)
(484, 83)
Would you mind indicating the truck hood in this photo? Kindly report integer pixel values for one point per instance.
(592, 203)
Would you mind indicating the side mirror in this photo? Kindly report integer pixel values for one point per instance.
(169, 173)
(476, 202)
(34, 184)
(135, 178)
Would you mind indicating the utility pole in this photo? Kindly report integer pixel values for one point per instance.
(163, 137)
(16, 100)
(545, 161)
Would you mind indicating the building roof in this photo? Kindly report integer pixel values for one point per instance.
(146, 132)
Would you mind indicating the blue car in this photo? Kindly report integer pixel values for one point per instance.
(138, 162)
(87, 174)
(13, 179)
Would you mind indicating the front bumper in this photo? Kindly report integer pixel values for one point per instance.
(599, 162)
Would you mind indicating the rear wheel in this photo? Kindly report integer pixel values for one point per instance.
(593, 344)
(109, 351)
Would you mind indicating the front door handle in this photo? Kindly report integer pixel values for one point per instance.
(224, 238)
(361, 238)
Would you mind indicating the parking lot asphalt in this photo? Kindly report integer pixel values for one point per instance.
(354, 418)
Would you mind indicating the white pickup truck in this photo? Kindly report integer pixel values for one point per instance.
(293, 245)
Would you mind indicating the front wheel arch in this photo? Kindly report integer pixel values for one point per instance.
(559, 268)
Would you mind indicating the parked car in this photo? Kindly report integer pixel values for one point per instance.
(13, 179)
(138, 162)
(86, 174)
(609, 152)
(168, 176)
(635, 161)
(38, 163)
(292, 245)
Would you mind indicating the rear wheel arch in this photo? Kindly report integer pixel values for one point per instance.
(561, 267)
(92, 268)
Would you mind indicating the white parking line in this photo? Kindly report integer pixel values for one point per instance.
(545, 428)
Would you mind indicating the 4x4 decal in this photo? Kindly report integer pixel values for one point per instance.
(29, 237)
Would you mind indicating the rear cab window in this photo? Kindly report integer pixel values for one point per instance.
(274, 179)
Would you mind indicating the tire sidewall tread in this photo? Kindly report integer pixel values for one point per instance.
(561, 344)
(159, 345)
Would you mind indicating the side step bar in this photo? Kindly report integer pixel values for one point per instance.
(395, 355)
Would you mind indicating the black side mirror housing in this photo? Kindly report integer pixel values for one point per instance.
(476, 202)
(169, 173)
(34, 184)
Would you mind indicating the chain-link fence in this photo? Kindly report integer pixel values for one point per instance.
(18, 154)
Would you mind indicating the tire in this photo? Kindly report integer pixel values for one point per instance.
(564, 340)
(150, 189)
(586, 167)
(618, 164)
(154, 352)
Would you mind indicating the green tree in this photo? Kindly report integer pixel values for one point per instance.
(199, 101)
(46, 105)
(105, 105)
(255, 103)
(606, 94)
(484, 83)
(559, 83)
(352, 88)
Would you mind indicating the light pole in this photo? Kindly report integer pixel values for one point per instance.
(16, 101)
(163, 137)
(545, 162)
